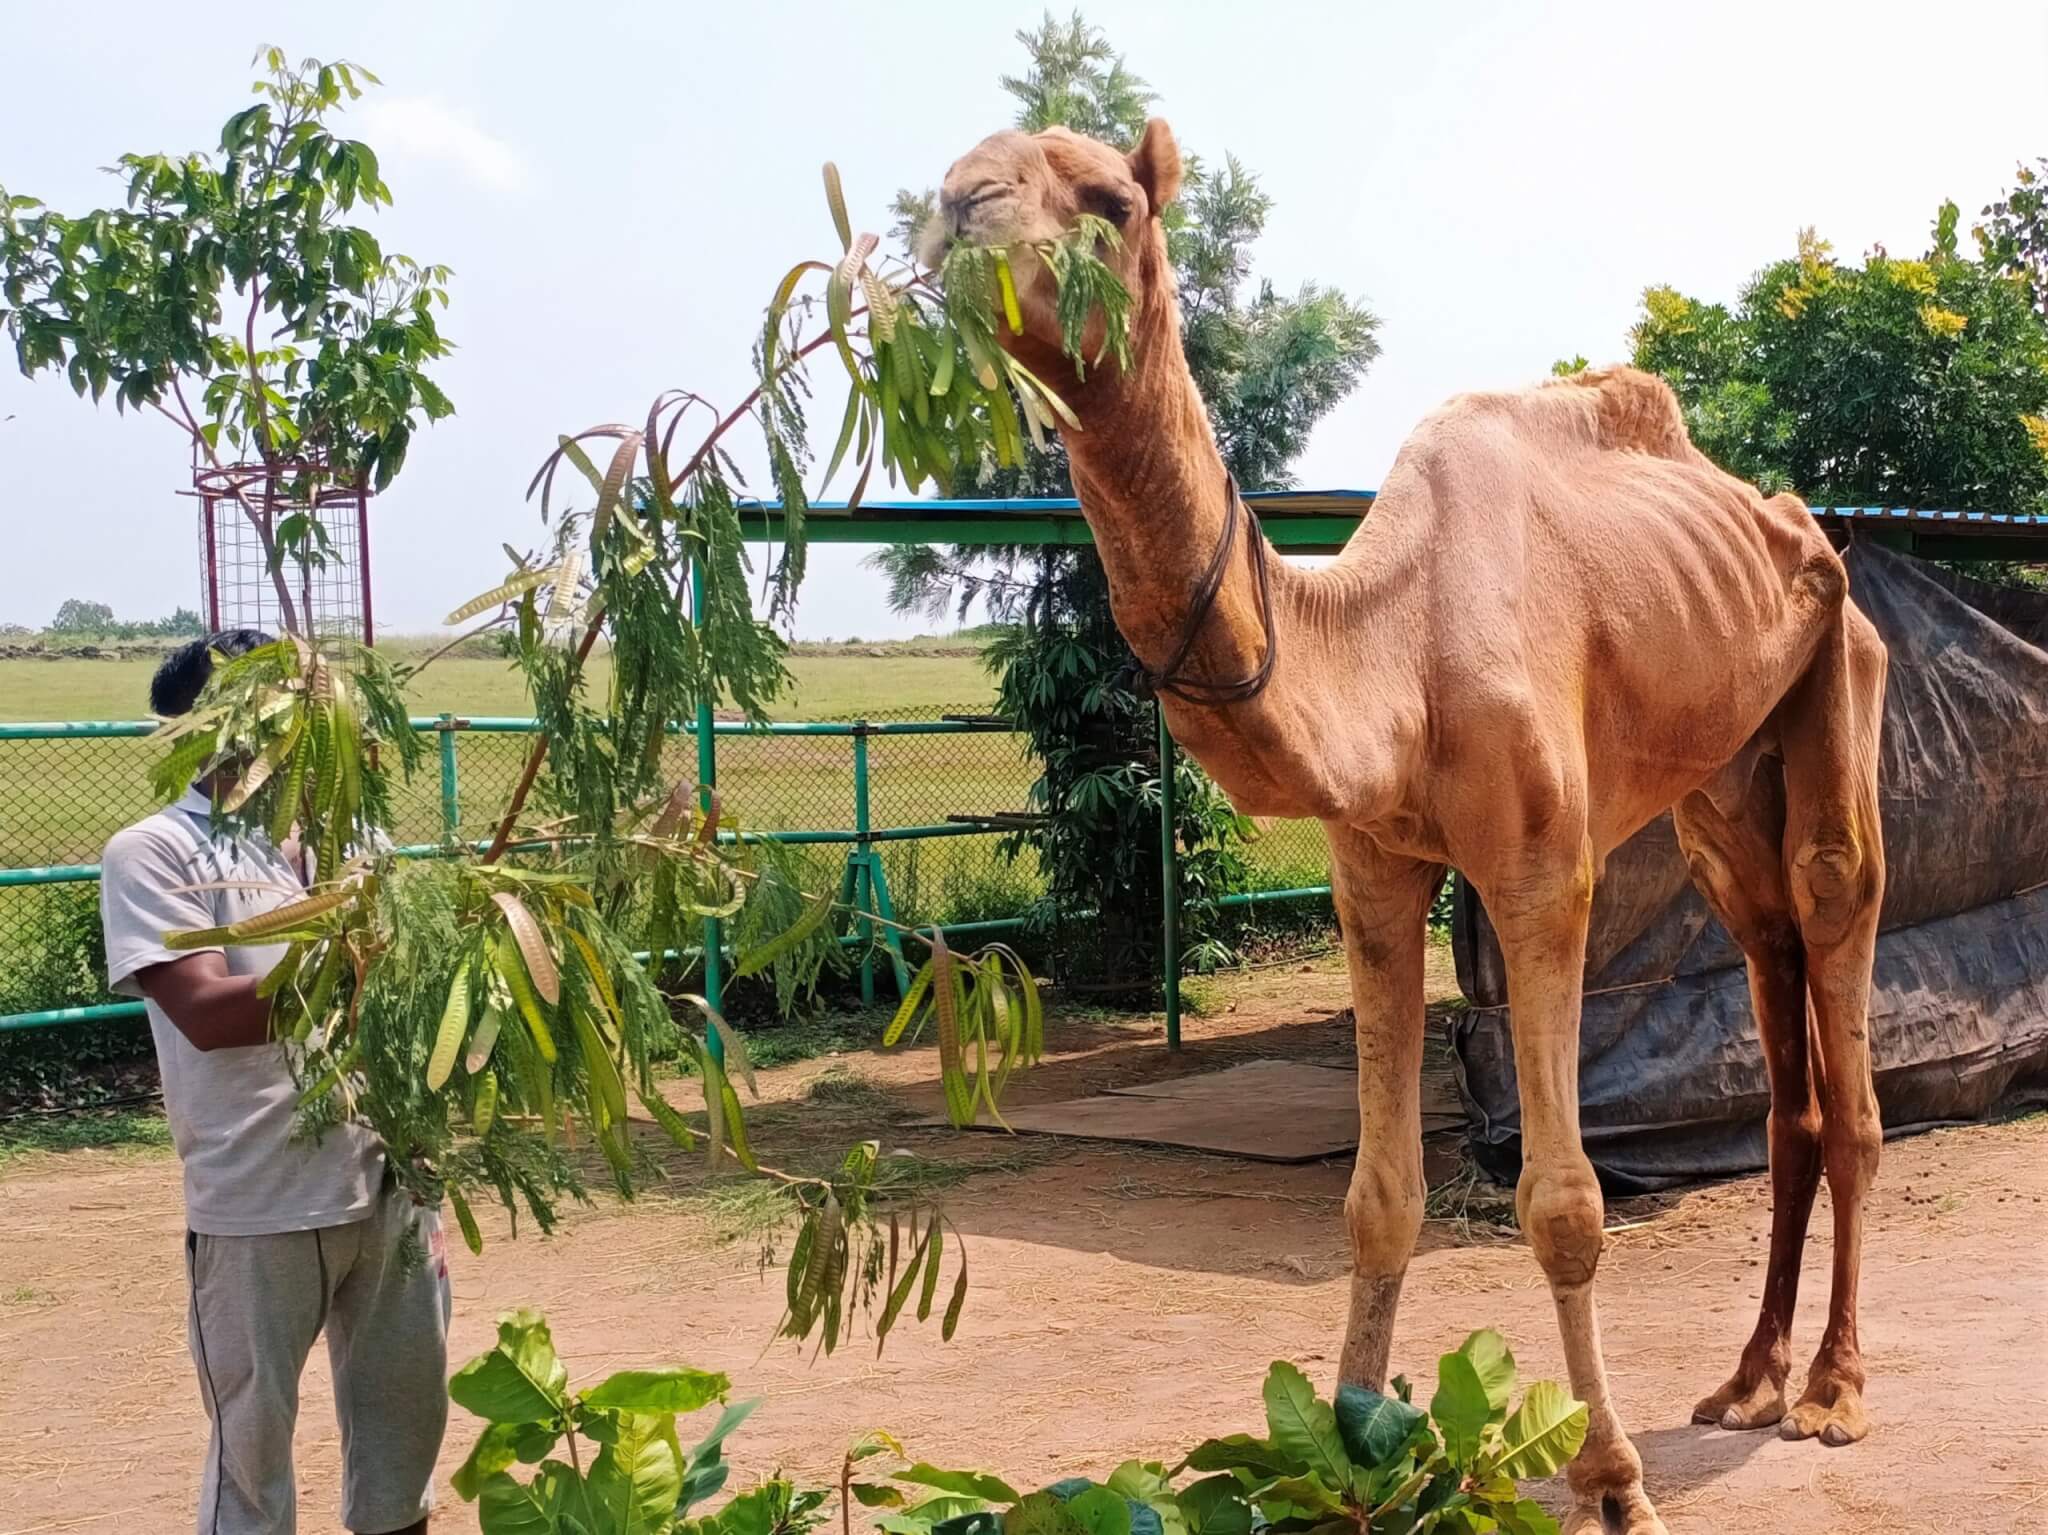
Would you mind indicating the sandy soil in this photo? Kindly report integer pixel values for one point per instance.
(1125, 1302)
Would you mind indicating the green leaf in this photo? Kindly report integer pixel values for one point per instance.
(1241, 1452)
(791, 938)
(968, 1484)
(519, 1381)
(1544, 1433)
(1310, 1494)
(493, 1452)
(1374, 1428)
(1303, 1426)
(1042, 1513)
(1495, 1366)
(505, 1507)
(1101, 1512)
(1460, 1408)
(636, 1480)
(1216, 1505)
(1525, 1516)
(670, 1391)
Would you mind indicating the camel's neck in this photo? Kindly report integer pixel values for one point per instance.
(1152, 486)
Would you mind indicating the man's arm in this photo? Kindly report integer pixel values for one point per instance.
(211, 1008)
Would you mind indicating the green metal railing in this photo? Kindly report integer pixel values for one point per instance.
(66, 806)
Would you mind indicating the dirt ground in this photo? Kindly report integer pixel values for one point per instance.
(1125, 1302)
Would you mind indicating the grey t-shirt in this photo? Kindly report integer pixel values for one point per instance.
(231, 1111)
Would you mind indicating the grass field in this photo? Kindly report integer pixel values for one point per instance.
(828, 686)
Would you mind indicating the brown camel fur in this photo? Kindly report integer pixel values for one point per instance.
(1559, 621)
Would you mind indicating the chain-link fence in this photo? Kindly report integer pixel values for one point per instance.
(931, 792)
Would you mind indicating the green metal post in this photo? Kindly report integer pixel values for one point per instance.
(1169, 885)
(864, 886)
(707, 777)
(451, 796)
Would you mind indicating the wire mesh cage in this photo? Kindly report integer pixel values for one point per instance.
(247, 514)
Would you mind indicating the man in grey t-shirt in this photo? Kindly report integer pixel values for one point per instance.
(287, 1237)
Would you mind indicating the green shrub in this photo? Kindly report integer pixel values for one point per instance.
(1363, 1464)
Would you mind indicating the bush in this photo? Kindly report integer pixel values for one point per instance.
(1365, 1464)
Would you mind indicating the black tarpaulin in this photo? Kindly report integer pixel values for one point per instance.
(1671, 1074)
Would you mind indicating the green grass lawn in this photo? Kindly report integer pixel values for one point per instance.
(827, 687)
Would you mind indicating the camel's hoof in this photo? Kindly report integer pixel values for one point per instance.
(1620, 1512)
(1832, 1414)
(1740, 1406)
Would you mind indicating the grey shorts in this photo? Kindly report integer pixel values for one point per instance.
(378, 1288)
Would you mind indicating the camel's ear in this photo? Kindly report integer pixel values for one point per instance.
(1156, 164)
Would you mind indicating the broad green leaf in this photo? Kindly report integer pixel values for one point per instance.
(705, 1472)
(1374, 1427)
(1495, 1365)
(1042, 1513)
(968, 1484)
(1101, 1512)
(669, 1391)
(1303, 1426)
(507, 1507)
(1241, 1452)
(1525, 1516)
(1310, 1494)
(875, 1495)
(1216, 1505)
(636, 1480)
(1544, 1432)
(520, 1380)
(1139, 1479)
(493, 1452)
(1460, 1409)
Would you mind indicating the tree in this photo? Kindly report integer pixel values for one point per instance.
(131, 299)
(2014, 234)
(1894, 383)
(78, 616)
(1269, 365)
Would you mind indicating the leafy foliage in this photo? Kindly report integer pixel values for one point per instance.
(1365, 1463)
(483, 1009)
(1368, 1463)
(1894, 383)
(2014, 235)
(321, 376)
(1269, 366)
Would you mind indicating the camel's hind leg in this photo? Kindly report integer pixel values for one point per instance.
(1834, 860)
(1733, 838)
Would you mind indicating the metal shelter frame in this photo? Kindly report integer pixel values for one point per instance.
(1299, 522)
(1305, 522)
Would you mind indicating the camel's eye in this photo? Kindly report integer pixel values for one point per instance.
(1106, 202)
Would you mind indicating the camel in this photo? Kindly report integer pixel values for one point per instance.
(1558, 621)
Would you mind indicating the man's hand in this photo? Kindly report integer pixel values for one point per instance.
(211, 1008)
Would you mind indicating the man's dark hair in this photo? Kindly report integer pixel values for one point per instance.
(183, 676)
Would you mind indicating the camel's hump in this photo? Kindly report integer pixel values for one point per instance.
(1634, 411)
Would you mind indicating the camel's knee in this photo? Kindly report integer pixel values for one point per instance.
(1561, 1211)
(1383, 1213)
(1836, 883)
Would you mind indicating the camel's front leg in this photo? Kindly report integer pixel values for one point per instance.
(1541, 916)
(1382, 905)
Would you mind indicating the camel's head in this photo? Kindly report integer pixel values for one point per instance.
(1018, 188)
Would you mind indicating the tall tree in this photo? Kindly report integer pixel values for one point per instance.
(1895, 382)
(1270, 365)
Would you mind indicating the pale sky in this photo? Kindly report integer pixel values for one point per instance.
(618, 188)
